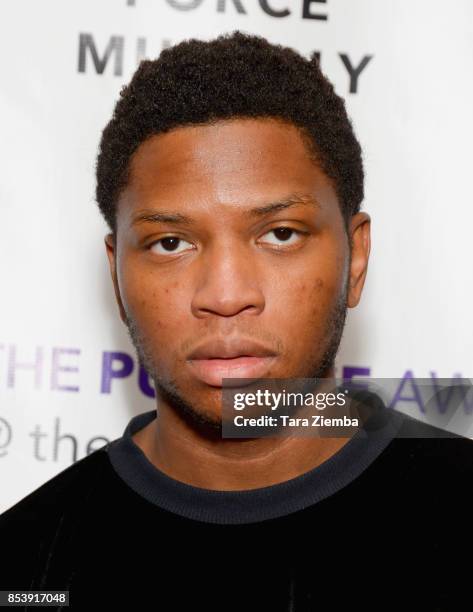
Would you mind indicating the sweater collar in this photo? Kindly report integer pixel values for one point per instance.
(255, 505)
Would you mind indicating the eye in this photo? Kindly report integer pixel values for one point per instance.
(284, 236)
(168, 245)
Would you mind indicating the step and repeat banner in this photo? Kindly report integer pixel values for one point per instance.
(69, 377)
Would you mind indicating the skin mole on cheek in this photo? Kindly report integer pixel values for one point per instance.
(319, 283)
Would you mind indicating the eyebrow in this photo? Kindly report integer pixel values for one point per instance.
(258, 211)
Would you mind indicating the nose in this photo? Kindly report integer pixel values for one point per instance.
(228, 282)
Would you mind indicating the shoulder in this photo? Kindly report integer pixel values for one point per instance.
(45, 519)
(428, 450)
(54, 496)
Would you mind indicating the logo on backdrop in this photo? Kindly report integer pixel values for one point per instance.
(307, 9)
(58, 370)
(109, 57)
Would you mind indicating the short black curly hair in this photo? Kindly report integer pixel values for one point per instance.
(234, 75)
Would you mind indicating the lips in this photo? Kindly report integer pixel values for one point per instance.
(230, 358)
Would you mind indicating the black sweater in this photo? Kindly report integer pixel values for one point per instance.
(385, 523)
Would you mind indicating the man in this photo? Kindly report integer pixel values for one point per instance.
(231, 180)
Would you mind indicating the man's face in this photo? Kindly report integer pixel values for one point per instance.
(215, 273)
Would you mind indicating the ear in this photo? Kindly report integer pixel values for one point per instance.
(110, 246)
(360, 239)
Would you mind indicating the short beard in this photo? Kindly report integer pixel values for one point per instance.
(199, 419)
(168, 390)
(334, 331)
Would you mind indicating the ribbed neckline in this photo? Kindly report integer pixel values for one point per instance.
(255, 505)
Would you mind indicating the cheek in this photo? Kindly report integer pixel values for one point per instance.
(313, 289)
(304, 303)
(153, 303)
(313, 300)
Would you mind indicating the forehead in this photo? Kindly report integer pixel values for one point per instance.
(234, 162)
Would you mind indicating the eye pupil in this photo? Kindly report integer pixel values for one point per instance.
(283, 233)
(170, 239)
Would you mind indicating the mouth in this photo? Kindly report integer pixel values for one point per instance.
(213, 369)
(230, 357)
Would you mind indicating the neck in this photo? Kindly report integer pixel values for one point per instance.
(211, 462)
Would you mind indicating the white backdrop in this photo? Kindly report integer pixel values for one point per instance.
(60, 333)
